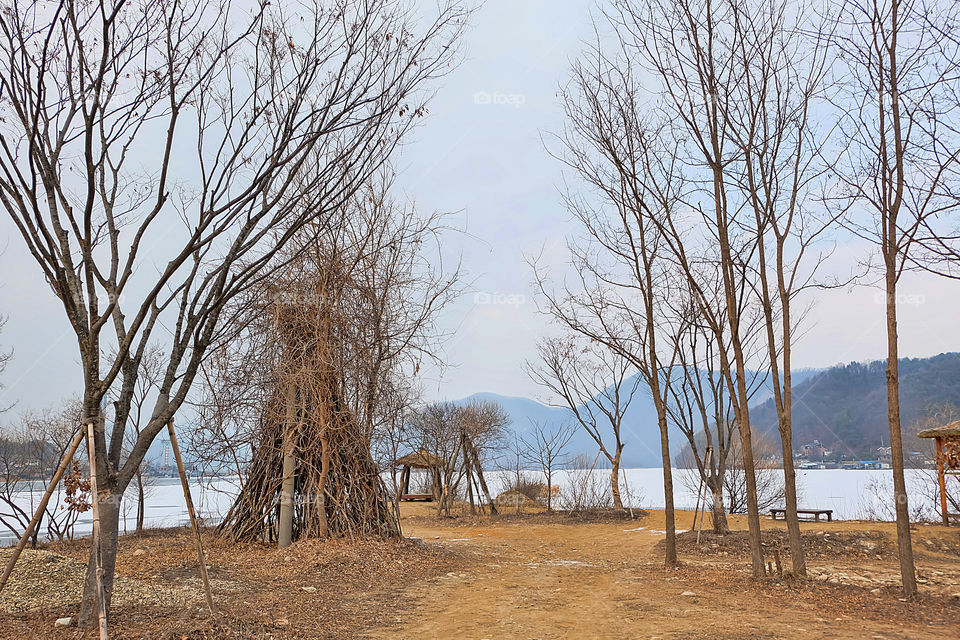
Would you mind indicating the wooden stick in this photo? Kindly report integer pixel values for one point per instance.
(98, 553)
(707, 464)
(40, 509)
(942, 482)
(288, 480)
(696, 509)
(193, 519)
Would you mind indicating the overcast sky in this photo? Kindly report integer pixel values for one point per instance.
(480, 154)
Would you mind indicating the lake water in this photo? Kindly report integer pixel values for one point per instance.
(851, 494)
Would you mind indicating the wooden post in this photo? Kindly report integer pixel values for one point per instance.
(285, 528)
(696, 508)
(943, 482)
(98, 554)
(43, 506)
(708, 462)
(184, 482)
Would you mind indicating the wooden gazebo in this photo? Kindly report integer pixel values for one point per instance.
(947, 440)
(420, 459)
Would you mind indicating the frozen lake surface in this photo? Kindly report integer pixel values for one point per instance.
(851, 494)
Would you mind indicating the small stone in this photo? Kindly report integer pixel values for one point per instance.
(287, 558)
(955, 596)
(63, 622)
(281, 622)
(139, 552)
(688, 594)
(309, 589)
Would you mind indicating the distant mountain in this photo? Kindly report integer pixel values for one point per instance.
(640, 432)
(641, 435)
(845, 407)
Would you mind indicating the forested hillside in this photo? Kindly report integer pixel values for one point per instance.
(845, 407)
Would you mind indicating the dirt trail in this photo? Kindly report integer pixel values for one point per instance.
(607, 580)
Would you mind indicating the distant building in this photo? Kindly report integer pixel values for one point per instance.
(813, 450)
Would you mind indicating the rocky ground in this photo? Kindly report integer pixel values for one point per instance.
(529, 575)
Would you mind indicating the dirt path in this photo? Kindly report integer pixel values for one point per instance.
(606, 580)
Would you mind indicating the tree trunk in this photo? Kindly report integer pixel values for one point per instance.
(615, 481)
(480, 479)
(109, 533)
(322, 482)
(797, 555)
(549, 488)
(720, 526)
(904, 544)
(287, 487)
(670, 557)
(141, 504)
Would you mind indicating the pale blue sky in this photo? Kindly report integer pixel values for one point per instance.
(481, 156)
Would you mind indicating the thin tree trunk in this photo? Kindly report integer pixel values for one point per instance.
(615, 480)
(669, 513)
(287, 487)
(322, 481)
(141, 503)
(904, 543)
(103, 553)
(797, 556)
(720, 526)
(549, 488)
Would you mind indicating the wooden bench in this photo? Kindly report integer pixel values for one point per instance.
(816, 513)
(417, 497)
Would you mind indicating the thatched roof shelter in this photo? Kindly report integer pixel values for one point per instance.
(420, 459)
(951, 430)
(948, 460)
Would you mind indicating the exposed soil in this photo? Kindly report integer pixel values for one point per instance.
(528, 576)
(312, 589)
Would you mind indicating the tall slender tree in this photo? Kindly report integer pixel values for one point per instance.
(900, 173)
(152, 159)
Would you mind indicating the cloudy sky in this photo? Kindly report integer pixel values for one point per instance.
(480, 156)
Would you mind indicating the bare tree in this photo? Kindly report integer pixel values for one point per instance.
(439, 431)
(146, 386)
(29, 454)
(595, 385)
(782, 60)
(901, 165)
(545, 447)
(698, 406)
(689, 48)
(622, 277)
(483, 423)
(771, 487)
(128, 122)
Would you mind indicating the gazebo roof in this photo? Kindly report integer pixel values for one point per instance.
(421, 459)
(946, 431)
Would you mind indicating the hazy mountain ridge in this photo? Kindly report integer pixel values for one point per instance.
(843, 407)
